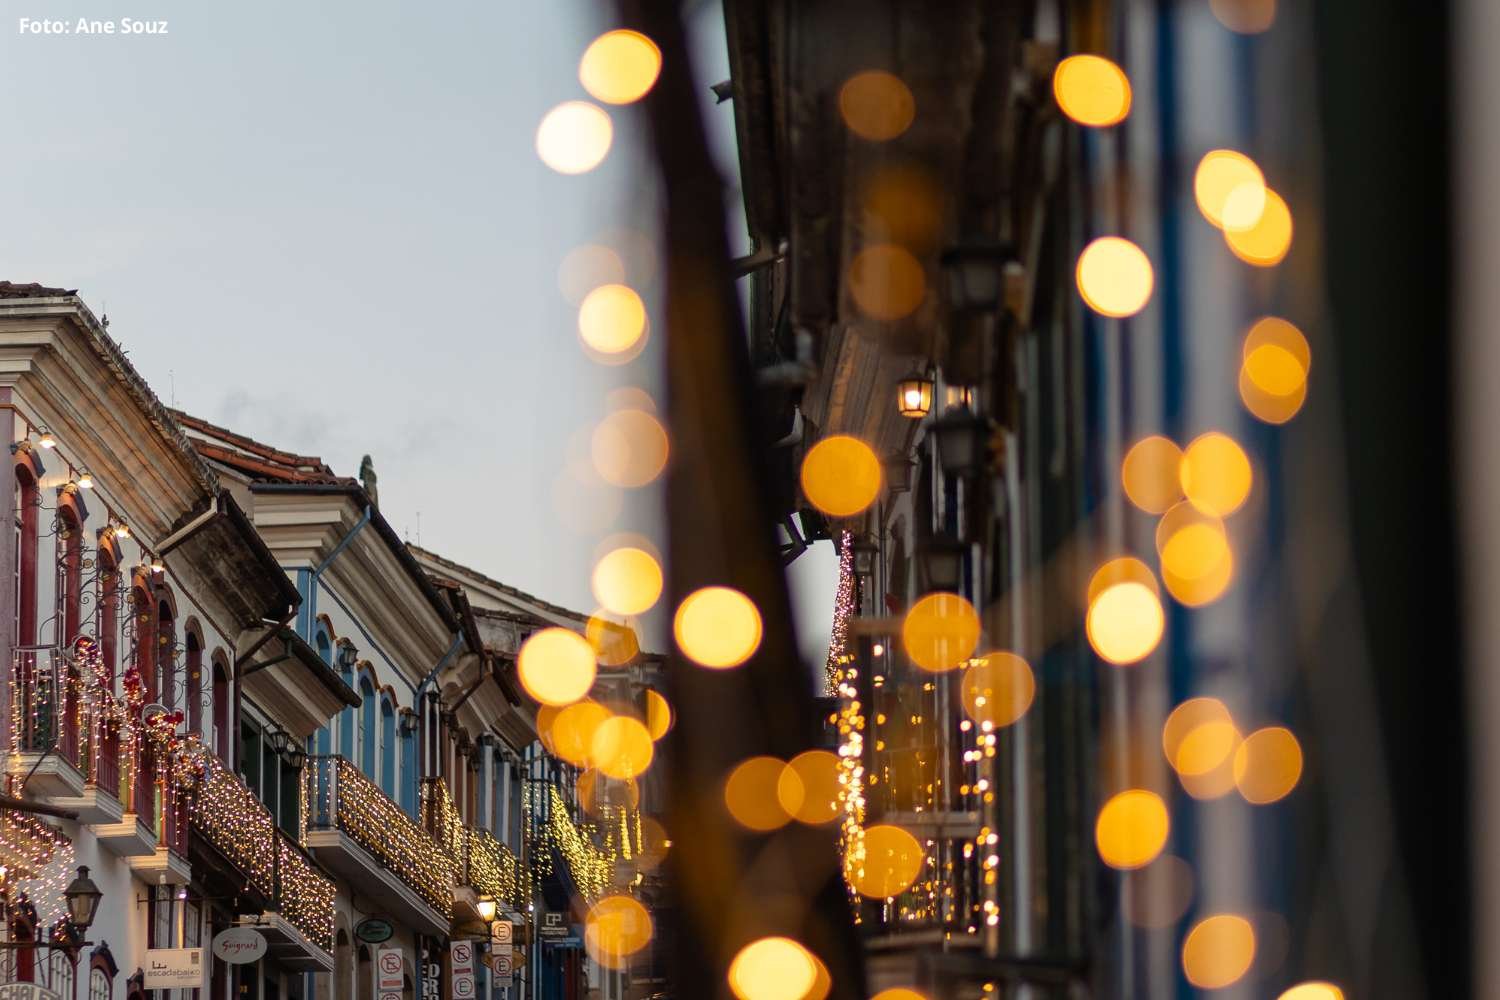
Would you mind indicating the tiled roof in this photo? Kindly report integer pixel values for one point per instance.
(504, 588)
(261, 462)
(31, 290)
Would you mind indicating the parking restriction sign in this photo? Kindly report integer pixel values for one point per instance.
(461, 958)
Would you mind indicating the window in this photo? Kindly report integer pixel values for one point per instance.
(71, 567)
(346, 721)
(28, 500)
(367, 727)
(409, 772)
(222, 707)
(166, 650)
(387, 746)
(250, 754)
(291, 799)
(325, 653)
(144, 632)
(194, 667)
(109, 611)
(99, 984)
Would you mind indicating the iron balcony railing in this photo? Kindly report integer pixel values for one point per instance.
(480, 860)
(231, 818)
(341, 797)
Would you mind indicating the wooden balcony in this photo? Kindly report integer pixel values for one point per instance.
(355, 829)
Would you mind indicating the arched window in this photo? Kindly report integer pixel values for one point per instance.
(387, 745)
(143, 621)
(70, 569)
(166, 649)
(347, 716)
(194, 666)
(367, 726)
(222, 707)
(324, 646)
(409, 766)
(109, 611)
(28, 500)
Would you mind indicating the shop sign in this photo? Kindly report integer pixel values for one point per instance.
(554, 924)
(374, 930)
(238, 945)
(26, 991)
(390, 965)
(430, 973)
(174, 969)
(461, 959)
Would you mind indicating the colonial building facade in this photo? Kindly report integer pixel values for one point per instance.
(291, 750)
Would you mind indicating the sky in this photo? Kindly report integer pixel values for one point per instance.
(325, 226)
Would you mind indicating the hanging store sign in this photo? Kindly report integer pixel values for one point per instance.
(26, 991)
(461, 959)
(374, 930)
(238, 945)
(554, 924)
(174, 969)
(390, 968)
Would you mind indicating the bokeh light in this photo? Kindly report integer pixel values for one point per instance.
(1125, 618)
(1150, 474)
(841, 475)
(1315, 990)
(573, 731)
(585, 268)
(899, 993)
(755, 798)
(1266, 243)
(627, 580)
(1158, 894)
(1267, 407)
(556, 666)
(629, 448)
(622, 747)
(773, 968)
(877, 105)
(611, 319)
(940, 632)
(1220, 174)
(619, 66)
(887, 282)
(574, 137)
(1132, 828)
(809, 787)
(717, 627)
(1274, 370)
(1215, 474)
(1197, 562)
(1091, 90)
(1206, 747)
(615, 643)
(1267, 765)
(893, 860)
(616, 928)
(903, 205)
(596, 792)
(997, 689)
(654, 845)
(1115, 277)
(1192, 714)
(658, 714)
(1247, 17)
(1218, 951)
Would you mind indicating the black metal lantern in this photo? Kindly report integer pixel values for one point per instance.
(914, 395)
(82, 896)
(942, 559)
(866, 555)
(898, 471)
(347, 657)
(963, 441)
(408, 724)
(296, 755)
(277, 740)
(975, 274)
(487, 908)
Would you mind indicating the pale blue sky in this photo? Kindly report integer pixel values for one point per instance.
(324, 225)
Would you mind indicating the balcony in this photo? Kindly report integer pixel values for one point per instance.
(47, 697)
(483, 866)
(357, 831)
(298, 927)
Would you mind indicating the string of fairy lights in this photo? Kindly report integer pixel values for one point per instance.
(592, 867)
(377, 824)
(493, 868)
(843, 674)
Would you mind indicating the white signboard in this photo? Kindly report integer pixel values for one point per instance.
(461, 956)
(390, 965)
(239, 945)
(502, 933)
(502, 966)
(26, 991)
(174, 969)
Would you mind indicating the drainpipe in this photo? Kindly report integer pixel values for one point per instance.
(312, 585)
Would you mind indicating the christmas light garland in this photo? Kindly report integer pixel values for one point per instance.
(592, 868)
(842, 675)
(493, 868)
(35, 860)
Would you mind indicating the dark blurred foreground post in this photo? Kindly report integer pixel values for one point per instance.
(731, 887)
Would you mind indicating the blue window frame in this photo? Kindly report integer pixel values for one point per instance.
(387, 746)
(367, 761)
